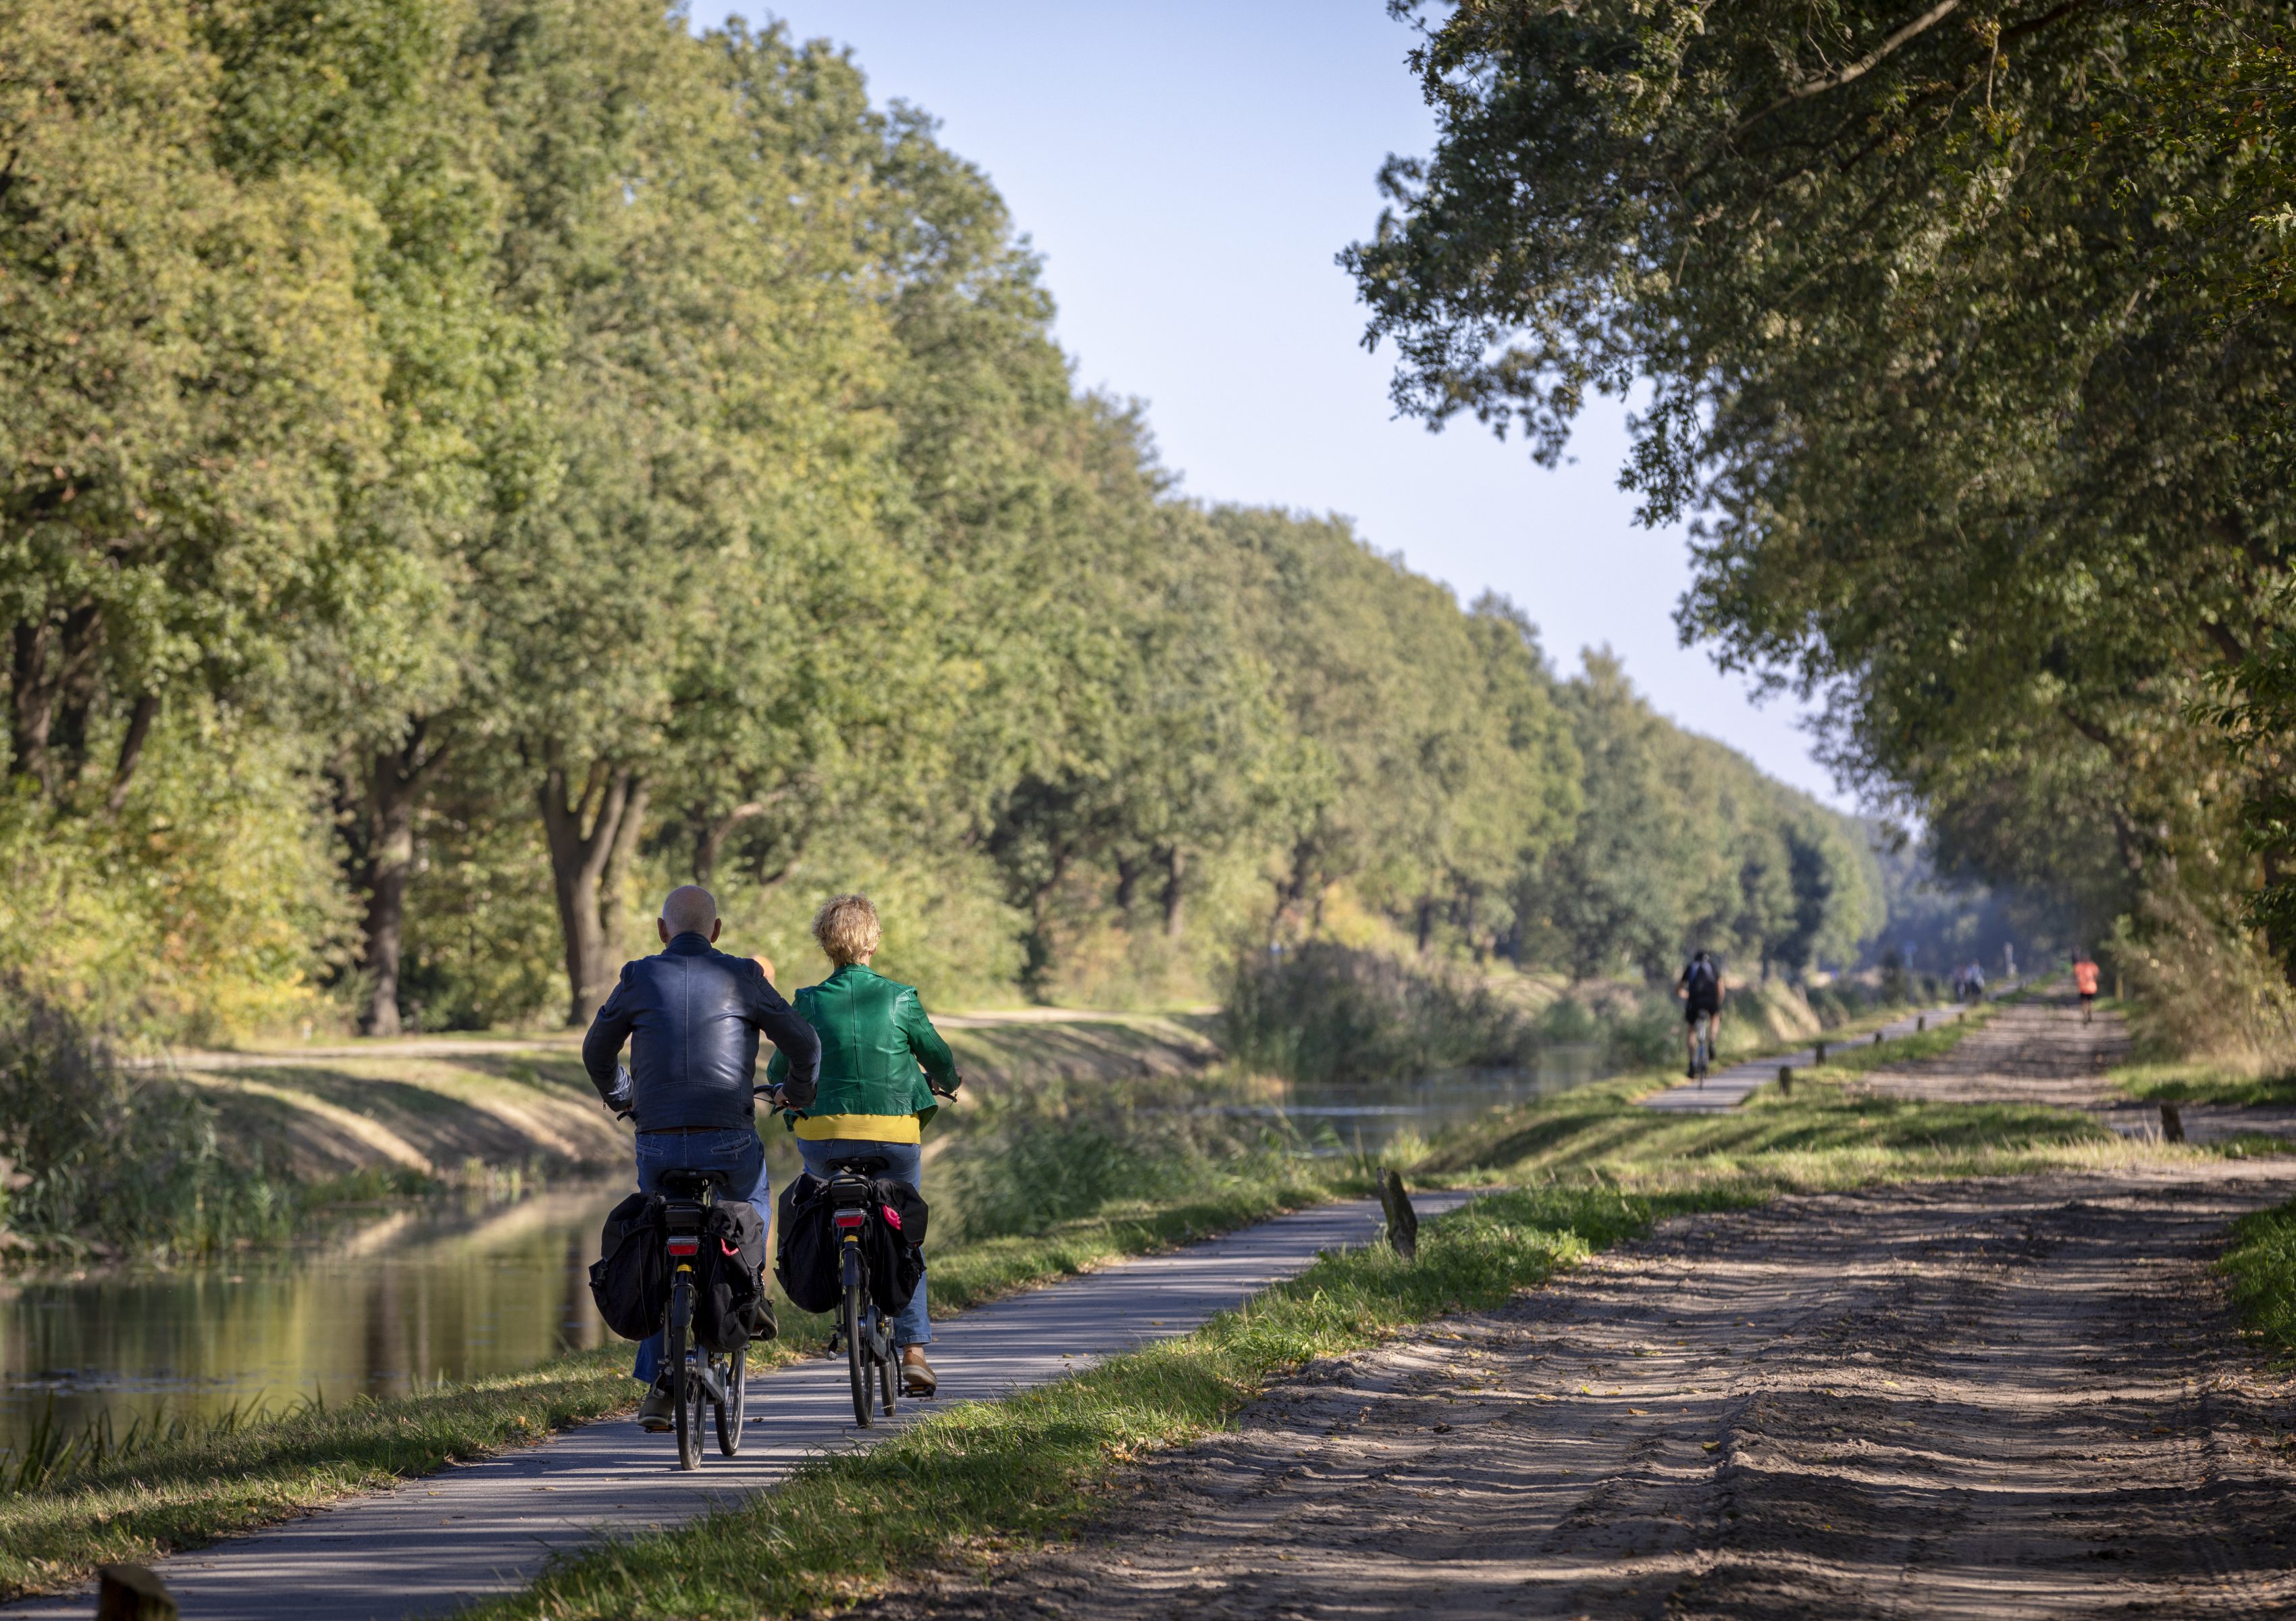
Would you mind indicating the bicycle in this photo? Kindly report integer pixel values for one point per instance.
(871, 1358)
(715, 1378)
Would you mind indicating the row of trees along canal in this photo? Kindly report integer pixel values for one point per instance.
(1970, 339)
(475, 462)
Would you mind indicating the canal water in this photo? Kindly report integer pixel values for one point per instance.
(387, 1307)
(384, 1307)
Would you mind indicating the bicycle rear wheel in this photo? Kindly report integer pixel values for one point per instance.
(888, 1371)
(858, 1335)
(685, 1390)
(737, 1397)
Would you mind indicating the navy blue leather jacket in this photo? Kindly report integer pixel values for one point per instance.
(692, 1016)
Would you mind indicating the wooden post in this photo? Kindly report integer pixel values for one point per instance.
(1877, 1038)
(1785, 1080)
(131, 1592)
(2172, 1124)
(1921, 1023)
(1821, 1052)
(1402, 1221)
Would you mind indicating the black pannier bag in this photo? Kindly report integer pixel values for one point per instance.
(895, 1239)
(631, 1278)
(805, 1245)
(730, 1305)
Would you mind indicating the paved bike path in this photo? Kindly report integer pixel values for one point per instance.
(485, 1528)
(1726, 1089)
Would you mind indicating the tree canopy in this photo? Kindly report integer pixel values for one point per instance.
(473, 463)
(1966, 338)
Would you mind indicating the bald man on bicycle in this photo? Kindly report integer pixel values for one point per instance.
(692, 1016)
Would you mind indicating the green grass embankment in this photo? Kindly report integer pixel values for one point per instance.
(93, 1505)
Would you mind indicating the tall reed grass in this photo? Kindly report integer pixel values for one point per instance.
(97, 1157)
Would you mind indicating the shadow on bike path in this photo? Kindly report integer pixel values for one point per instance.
(434, 1542)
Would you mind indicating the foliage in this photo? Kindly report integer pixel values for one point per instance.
(1327, 1012)
(92, 1151)
(1964, 334)
(476, 463)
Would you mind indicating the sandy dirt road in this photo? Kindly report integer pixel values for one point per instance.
(2039, 1052)
(2018, 1398)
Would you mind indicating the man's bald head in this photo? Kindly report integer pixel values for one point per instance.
(691, 909)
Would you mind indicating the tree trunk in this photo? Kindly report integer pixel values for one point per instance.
(1426, 910)
(51, 688)
(1175, 881)
(395, 781)
(1127, 884)
(131, 750)
(591, 833)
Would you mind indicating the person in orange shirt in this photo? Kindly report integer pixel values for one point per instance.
(2084, 981)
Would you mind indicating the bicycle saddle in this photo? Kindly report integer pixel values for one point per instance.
(860, 1165)
(692, 1184)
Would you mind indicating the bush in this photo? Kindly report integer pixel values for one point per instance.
(99, 1155)
(1328, 1012)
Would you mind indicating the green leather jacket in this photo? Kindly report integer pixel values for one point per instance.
(877, 1046)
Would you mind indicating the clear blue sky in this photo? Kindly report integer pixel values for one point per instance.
(1188, 170)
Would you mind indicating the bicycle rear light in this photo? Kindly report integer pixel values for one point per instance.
(849, 1219)
(684, 1246)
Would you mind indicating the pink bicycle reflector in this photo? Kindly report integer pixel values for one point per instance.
(892, 1217)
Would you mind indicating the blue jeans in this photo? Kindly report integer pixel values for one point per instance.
(904, 1164)
(737, 1152)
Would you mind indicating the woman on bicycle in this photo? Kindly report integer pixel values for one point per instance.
(877, 1049)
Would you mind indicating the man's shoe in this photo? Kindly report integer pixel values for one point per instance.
(918, 1380)
(659, 1410)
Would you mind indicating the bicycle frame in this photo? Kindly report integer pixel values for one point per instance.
(695, 1380)
(868, 1338)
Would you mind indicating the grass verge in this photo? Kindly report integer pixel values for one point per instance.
(149, 1494)
(1826, 1134)
(1038, 1464)
(2259, 1271)
(2200, 1081)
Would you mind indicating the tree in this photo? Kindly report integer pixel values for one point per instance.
(1985, 452)
(191, 395)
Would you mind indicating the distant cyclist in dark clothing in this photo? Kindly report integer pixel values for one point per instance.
(692, 1016)
(1700, 986)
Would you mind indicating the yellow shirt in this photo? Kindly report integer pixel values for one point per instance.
(861, 1128)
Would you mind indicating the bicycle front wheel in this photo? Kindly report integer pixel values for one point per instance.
(858, 1329)
(889, 1373)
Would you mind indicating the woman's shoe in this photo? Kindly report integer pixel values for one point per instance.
(918, 1380)
(659, 1410)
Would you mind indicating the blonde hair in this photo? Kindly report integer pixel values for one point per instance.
(847, 928)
